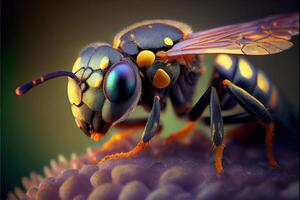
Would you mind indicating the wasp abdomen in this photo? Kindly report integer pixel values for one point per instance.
(242, 73)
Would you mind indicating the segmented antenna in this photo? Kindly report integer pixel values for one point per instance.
(28, 86)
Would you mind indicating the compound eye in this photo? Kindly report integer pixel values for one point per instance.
(120, 83)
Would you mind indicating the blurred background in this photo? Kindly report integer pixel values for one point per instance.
(38, 37)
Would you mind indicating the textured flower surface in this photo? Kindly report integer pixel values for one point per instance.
(181, 171)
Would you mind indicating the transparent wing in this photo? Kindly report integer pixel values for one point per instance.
(261, 37)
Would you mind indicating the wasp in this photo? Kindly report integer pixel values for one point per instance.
(154, 60)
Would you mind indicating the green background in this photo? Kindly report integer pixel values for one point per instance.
(44, 36)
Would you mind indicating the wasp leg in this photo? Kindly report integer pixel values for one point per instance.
(258, 110)
(269, 144)
(137, 149)
(115, 138)
(194, 114)
(132, 123)
(249, 124)
(150, 130)
(182, 133)
(253, 106)
(152, 125)
(238, 118)
(217, 128)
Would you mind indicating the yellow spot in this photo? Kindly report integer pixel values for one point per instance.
(145, 58)
(262, 82)
(104, 63)
(168, 41)
(98, 82)
(224, 61)
(161, 79)
(95, 80)
(74, 92)
(76, 65)
(245, 68)
(226, 82)
(274, 98)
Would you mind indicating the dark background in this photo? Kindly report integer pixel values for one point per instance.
(43, 36)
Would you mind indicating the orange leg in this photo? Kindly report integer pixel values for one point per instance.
(181, 133)
(238, 132)
(115, 138)
(137, 149)
(268, 140)
(269, 145)
(218, 158)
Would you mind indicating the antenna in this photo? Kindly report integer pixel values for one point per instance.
(28, 86)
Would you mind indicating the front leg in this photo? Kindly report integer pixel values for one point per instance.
(150, 130)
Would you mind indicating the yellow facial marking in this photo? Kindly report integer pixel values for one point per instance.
(274, 98)
(104, 63)
(245, 68)
(76, 65)
(168, 41)
(161, 79)
(224, 61)
(98, 82)
(262, 83)
(145, 58)
(74, 92)
(95, 80)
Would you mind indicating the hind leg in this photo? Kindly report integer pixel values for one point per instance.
(256, 109)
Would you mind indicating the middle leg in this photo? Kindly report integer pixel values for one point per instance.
(210, 98)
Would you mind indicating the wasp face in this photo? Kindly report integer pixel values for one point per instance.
(108, 91)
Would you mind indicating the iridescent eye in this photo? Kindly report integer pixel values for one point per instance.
(120, 83)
